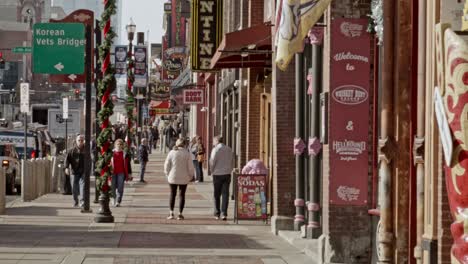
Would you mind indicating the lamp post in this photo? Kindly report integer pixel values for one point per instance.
(131, 29)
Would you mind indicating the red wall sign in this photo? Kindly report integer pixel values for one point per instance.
(349, 112)
(193, 96)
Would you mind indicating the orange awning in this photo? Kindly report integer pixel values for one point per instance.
(246, 48)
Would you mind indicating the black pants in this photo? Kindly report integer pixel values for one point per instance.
(221, 187)
(182, 189)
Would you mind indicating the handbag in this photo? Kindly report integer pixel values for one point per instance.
(201, 157)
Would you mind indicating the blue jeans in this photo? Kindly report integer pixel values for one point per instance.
(142, 169)
(195, 166)
(221, 187)
(118, 181)
(78, 187)
(200, 171)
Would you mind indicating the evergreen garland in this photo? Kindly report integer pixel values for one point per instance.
(130, 102)
(105, 87)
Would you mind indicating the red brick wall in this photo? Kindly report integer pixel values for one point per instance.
(254, 91)
(243, 118)
(444, 221)
(283, 113)
(255, 12)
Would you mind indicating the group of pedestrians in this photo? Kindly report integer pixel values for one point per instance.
(181, 167)
(183, 164)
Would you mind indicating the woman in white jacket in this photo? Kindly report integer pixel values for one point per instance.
(179, 171)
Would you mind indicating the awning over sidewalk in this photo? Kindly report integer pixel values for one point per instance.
(246, 48)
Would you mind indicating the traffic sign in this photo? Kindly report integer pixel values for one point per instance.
(22, 50)
(65, 108)
(24, 97)
(59, 48)
(85, 17)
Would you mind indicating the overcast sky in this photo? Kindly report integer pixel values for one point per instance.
(147, 15)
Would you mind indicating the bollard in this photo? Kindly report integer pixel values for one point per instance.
(2, 191)
(26, 182)
(53, 176)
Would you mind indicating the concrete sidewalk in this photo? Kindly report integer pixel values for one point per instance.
(50, 230)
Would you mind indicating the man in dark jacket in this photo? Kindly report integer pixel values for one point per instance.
(76, 160)
(143, 157)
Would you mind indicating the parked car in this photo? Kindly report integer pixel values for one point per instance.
(10, 163)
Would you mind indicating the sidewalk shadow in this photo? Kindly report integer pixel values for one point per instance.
(187, 240)
(26, 236)
(34, 211)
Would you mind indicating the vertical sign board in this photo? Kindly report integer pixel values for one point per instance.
(207, 31)
(251, 197)
(349, 112)
(141, 74)
(24, 97)
(65, 108)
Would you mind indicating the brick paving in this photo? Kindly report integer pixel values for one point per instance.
(50, 230)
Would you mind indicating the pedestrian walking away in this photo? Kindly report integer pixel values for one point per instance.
(179, 171)
(193, 148)
(75, 160)
(155, 134)
(200, 159)
(143, 158)
(221, 160)
(120, 172)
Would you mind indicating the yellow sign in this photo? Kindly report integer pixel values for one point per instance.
(297, 18)
(207, 31)
(465, 17)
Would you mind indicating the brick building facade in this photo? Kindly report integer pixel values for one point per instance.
(236, 97)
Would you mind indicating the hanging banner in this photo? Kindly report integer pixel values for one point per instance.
(207, 31)
(297, 18)
(141, 73)
(349, 112)
(120, 61)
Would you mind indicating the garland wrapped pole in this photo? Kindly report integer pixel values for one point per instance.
(130, 79)
(106, 87)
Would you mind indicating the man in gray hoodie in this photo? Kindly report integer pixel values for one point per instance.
(221, 161)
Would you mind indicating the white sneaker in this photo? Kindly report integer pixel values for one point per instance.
(170, 217)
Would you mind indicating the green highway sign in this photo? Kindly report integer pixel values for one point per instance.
(58, 48)
(22, 50)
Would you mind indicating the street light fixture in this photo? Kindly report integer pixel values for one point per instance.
(131, 29)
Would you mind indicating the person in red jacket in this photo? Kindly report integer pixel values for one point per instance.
(120, 172)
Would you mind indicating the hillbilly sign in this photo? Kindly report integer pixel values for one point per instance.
(207, 29)
(192, 96)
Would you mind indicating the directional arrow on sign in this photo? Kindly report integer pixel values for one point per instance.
(59, 66)
(72, 77)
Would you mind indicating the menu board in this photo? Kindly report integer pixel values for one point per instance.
(251, 197)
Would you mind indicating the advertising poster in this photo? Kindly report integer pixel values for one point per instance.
(349, 112)
(141, 73)
(120, 61)
(251, 197)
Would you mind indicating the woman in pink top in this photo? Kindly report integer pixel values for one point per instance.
(120, 172)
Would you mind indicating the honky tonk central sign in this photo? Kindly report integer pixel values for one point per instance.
(207, 28)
